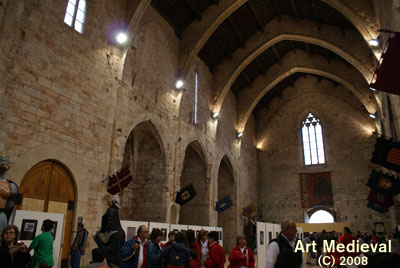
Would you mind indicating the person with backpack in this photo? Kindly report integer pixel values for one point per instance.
(79, 246)
(176, 255)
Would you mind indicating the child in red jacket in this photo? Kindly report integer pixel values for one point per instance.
(241, 255)
(193, 259)
(216, 254)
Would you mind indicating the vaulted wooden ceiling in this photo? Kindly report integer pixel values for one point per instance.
(244, 23)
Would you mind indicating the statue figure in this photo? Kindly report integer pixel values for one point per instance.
(8, 193)
(111, 237)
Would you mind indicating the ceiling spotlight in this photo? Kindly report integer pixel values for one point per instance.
(372, 116)
(215, 115)
(122, 38)
(179, 84)
(240, 135)
(373, 42)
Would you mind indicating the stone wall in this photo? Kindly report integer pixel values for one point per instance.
(348, 140)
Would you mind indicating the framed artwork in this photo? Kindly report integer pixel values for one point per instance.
(131, 232)
(28, 229)
(261, 238)
(269, 236)
(164, 234)
(53, 230)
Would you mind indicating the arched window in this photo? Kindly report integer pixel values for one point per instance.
(75, 14)
(313, 143)
(321, 216)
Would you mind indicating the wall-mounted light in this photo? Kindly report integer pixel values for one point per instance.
(371, 88)
(179, 84)
(373, 116)
(214, 115)
(121, 38)
(373, 42)
(239, 135)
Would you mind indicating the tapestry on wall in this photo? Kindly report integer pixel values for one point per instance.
(387, 154)
(316, 189)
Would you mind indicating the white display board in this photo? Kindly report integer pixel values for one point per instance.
(130, 227)
(269, 230)
(209, 228)
(261, 242)
(178, 227)
(277, 230)
(164, 227)
(299, 234)
(221, 235)
(30, 223)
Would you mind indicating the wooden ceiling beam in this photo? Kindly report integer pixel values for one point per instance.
(327, 55)
(256, 15)
(220, 43)
(262, 67)
(192, 5)
(292, 44)
(238, 33)
(215, 2)
(308, 48)
(276, 7)
(294, 9)
(276, 54)
(316, 15)
(246, 77)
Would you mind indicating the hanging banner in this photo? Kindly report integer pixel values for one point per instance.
(387, 154)
(316, 189)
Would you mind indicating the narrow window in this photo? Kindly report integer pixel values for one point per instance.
(313, 144)
(196, 88)
(75, 14)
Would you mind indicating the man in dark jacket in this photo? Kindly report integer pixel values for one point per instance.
(176, 255)
(280, 252)
(79, 246)
(133, 253)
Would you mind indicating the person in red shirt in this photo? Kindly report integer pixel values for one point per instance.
(201, 247)
(347, 238)
(171, 239)
(216, 254)
(241, 255)
(193, 259)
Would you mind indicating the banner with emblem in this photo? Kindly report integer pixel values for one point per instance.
(387, 154)
(378, 208)
(223, 204)
(119, 180)
(185, 195)
(249, 210)
(384, 183)
(381, 199)
(316, 189)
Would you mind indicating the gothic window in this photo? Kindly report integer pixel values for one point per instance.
(313, 143)
(75, 14)
(196, 91)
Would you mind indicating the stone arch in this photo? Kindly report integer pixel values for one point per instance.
(313, 210)
(145, 197)
(194, 171)
(228, 218)
(358, 55)
(72, 162)
(300, 62)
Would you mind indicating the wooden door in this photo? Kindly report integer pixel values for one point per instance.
(48, 187)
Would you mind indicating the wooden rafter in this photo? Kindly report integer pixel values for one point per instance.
(292, 44)
(327, 55)
(192, 5)
(260, 66)
(295, 12)
(276, 7)
(222, 45)
(340, 25)
(178, 31)
(256, 15)
(316, 15)
(238, 33)
(215, 2)
(246, 77)
(308, 48)
(276, 54)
